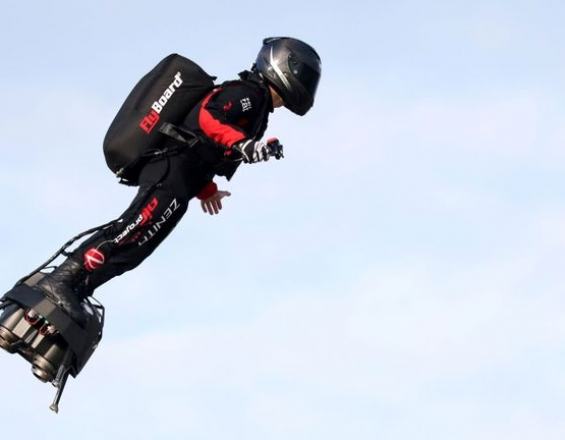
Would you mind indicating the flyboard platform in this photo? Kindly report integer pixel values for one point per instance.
(33, 326)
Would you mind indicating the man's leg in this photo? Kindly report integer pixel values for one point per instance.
(161, 201)
(127, 243)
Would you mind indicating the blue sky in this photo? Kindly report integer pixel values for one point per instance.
(397, 276)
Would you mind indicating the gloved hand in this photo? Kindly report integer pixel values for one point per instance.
(253, 151)
(257, 151)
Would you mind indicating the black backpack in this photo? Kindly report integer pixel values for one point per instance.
(159, 100)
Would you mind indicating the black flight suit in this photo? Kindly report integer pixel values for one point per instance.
(234, 112)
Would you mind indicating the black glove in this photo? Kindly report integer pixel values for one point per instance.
(257, 151)
(253, 151)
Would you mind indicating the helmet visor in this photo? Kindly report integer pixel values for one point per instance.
(306, 75)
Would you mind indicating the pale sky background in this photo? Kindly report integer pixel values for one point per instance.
(398, 276)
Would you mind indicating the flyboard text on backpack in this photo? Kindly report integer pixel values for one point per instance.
(164, 95)
(149, 122)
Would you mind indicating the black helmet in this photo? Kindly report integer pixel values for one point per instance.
(293, 68)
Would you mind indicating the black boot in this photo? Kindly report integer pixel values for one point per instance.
(66, 287)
